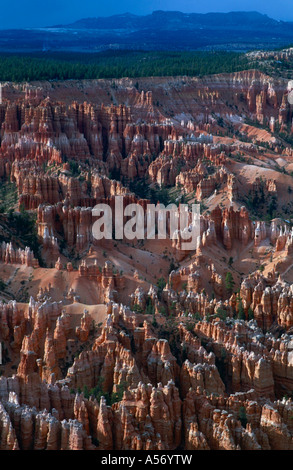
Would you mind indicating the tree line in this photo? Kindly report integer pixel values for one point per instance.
(116, 64)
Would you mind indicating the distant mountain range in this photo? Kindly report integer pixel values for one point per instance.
(165, 30)
(176, 20)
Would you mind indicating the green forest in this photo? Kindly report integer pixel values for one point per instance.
(116, 64)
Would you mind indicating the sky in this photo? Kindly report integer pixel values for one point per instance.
(34, 13)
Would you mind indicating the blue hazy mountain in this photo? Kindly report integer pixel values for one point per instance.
(170, 20)
(161, 30)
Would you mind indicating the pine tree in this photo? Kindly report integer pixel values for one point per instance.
(229, 282)
(250, 314)
(241, 312)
